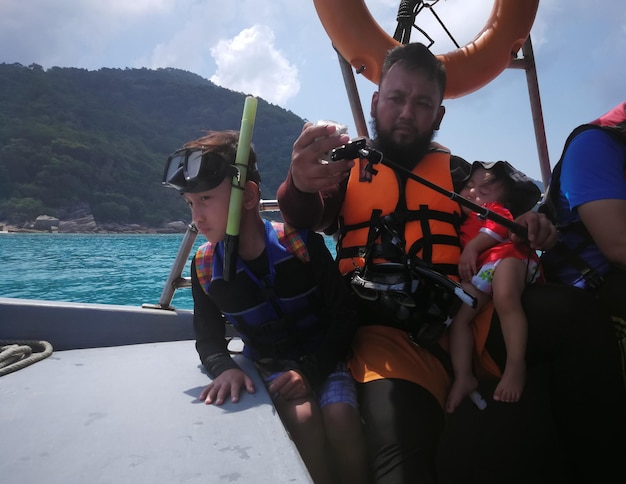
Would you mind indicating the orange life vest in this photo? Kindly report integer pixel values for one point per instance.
(429, 219)
(430, 224)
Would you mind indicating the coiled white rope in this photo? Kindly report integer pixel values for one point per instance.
(18, 354)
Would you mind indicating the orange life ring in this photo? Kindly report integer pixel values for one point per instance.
(360, 40)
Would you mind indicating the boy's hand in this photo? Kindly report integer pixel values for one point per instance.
(228, 383)
(290, 385)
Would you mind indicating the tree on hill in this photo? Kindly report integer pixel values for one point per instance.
(71, 137)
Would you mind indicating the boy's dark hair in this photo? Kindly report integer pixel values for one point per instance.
(225, 143)
(416, 57)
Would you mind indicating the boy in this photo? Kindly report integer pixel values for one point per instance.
(288, 302)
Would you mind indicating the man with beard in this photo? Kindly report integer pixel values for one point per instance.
(382, 220)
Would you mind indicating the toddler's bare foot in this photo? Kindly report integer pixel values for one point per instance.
(461, 388)
(511, 384)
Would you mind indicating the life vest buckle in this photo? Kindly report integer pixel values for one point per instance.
(385, 278)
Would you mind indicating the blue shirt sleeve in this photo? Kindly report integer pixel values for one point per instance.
(593, 169)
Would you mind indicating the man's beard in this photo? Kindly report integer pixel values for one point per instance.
(405, 154)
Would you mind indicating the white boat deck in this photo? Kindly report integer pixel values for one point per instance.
(130, 414)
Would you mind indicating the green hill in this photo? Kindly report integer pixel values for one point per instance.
(77, 140)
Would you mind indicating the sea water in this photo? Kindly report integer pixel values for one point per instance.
(130, 270)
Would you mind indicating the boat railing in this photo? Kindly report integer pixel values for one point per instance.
(175, 279)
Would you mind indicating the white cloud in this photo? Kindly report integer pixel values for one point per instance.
(251, 63)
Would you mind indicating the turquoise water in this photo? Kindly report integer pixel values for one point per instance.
(110, 269)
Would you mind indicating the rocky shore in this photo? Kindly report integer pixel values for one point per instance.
(87, 225)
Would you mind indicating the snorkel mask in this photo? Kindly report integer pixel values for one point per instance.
(191, 170)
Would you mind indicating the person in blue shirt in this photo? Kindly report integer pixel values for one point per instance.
(587, 200)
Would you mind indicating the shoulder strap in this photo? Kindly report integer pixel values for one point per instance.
(552, 190)
(204, 263)
(293, 240)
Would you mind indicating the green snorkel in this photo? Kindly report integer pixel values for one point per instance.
(231, 242)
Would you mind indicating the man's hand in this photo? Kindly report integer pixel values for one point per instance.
(228, 383)
(541, 232)
(290, 385)
(308, 172)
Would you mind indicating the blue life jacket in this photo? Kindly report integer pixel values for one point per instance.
(276, 315)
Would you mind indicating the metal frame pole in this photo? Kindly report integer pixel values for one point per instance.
(175, 279)
(528, 64)
(353, 96)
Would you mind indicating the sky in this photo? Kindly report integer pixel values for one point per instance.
(279, 51)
